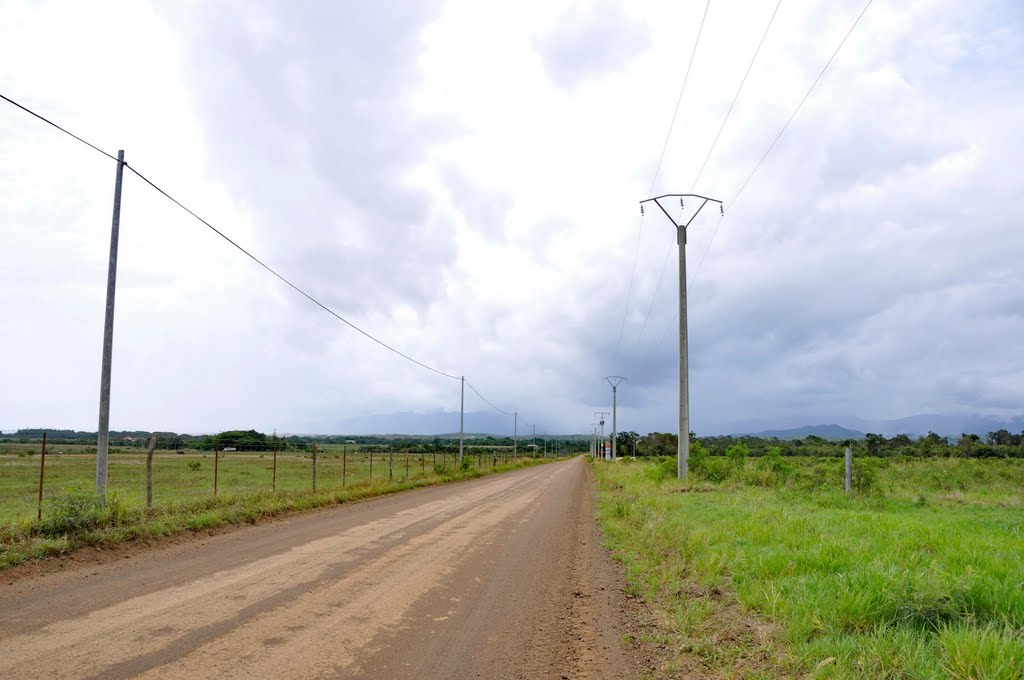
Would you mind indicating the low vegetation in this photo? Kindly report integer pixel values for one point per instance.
(763, 567)
(74, 518)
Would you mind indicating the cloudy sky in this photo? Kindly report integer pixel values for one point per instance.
(461, 179)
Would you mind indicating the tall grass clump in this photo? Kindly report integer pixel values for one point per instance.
(77, 512)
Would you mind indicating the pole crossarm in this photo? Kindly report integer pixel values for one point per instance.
(679, 224)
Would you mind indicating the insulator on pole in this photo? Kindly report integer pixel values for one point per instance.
(721, 210)
(641, 208)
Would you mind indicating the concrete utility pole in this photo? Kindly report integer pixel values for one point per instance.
(601, 415)
(103, 435)
(614, 381)
(683, 457)
(462, 418)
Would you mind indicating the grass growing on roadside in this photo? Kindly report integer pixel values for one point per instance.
(774, 571)
(76, 518)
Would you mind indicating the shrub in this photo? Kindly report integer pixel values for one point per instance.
(193, 465)
(77, 512)
(865, 475)
(698, 456)
(664, 468)
(716, 469)
(737, 454)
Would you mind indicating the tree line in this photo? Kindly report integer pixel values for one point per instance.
(998, 444)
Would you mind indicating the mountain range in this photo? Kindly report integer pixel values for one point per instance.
(844, 427)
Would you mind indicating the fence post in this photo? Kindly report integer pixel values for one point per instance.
(407, 463)
(391, 461)
(344, 464)
(216, 464)
(149, 470)
(423, 461)
(849, 470)
(273, 482)
(42, 465)
(314, 467)
(371, 466)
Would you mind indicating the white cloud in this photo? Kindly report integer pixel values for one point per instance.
(462, 180)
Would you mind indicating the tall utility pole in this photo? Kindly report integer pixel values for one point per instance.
(462, 418)
(683, 457)
(103, 435)
(515, 434)
(601, 415)
(614, 381)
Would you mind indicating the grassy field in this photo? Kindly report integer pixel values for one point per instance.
(189, 476)
(183, 491)
(773, 571)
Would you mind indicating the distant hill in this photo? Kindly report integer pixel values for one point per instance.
(944, 424)
(831, 432)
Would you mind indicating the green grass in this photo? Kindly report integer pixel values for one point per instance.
(920, 575)
(190, 476)
(183, 495)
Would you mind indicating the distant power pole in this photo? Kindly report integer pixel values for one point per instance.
(683, 457)
(462, 418)
(601, 415)
(614, 381)
(103, 434)
(515, 434)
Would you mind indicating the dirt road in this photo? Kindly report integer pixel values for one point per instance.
(500, 577)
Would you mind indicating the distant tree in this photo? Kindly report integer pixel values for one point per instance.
(625, 442)
(900, 441)
(967, 443)
(875, 443)
(1000, 438)
(658, 444)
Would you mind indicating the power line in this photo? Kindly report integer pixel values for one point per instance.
(711, 150)
(679, 101)
(236, 245)
(50, 122)
(654, 180)
(477, 392)
(661, 276)
(287, 282)
(784, 127)
(736, 96)
(769, 150)
(629, 290)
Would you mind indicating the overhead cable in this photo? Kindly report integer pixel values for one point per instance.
(784, 127)
(654, 180)
(236, 245)
(736, 96)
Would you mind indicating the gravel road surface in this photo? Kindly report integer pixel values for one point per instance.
(499, 577)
